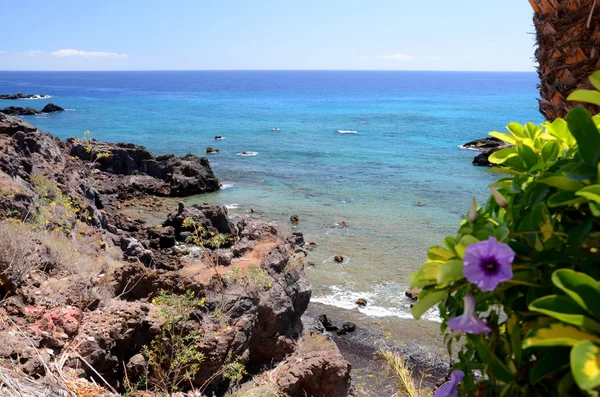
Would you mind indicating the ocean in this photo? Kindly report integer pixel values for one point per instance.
(377, 150)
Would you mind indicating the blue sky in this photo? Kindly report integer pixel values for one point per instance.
(267, 34)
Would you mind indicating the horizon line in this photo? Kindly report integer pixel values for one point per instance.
(271, 70)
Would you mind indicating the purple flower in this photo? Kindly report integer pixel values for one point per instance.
(488, 263)
(450, 388)
(469, 322)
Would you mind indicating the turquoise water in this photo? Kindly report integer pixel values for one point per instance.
(408, 128)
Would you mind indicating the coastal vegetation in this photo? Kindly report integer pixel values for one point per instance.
(517, 286)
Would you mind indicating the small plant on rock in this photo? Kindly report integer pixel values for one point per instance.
(173, 356)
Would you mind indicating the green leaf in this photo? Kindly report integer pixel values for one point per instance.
(587, 96)
(449, 272)
(514, 330)
(580, 287)
(595, 79)
(504, 137)
(591, 193)
(561, 198)
(565, 310)
(556, 334)
(547, 366)
(585, 365)
(550, 150)
(439, 253)
(494, 365)
(462, 245)
(516, 129)
(585, 132)
(502, 155)
(578, 233)
(426, 301)
(528, 155)
(561, 182)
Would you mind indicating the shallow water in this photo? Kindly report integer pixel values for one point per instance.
(405, 151)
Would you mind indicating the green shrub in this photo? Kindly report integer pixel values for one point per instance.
(517, 285)
(173, 356)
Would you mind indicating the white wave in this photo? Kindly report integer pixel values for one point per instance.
(469, 148)
(226, 186)
(35, 98)
(345, 299)
(347, 132)
(275, 129)
(247, 154)
(219, 138)
(232, 206)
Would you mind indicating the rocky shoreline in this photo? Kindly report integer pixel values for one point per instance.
(92, 232)
(20, 95)
(19, 111)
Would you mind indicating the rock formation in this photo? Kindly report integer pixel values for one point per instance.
(95, 236)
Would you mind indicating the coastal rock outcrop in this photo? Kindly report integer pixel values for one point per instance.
(487, 146)
(19, 111)
(20, 95)
(174, 176)
(95, 246)
(52, 108)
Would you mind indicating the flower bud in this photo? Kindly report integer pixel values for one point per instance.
(473, 211)
(500, 200)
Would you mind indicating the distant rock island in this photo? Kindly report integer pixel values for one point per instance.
(19, 111)
(20, 95)
(487, 146)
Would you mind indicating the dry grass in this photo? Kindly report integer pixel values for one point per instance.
(260, 386)
(76, 267)
(398, 368)
(314, 343)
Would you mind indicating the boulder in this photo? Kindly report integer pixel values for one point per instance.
(52, 108)
(315, 374)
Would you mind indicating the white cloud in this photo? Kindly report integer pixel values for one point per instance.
(69, 52)
(33, 53)
(397, 57)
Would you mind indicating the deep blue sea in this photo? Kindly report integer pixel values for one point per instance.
(408, 125)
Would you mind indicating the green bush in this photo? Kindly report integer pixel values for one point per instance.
(517, 285)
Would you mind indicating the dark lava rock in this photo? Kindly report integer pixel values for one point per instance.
(52, 108)
(338, 258)
(412, 294)
(173, 175)
(487, 146)
(362, 302)
(294, 218)
(18, 111)
(347, 327)
(482, 159)
(212, 150)
(163, 237)
(20, 95)
(327, 324)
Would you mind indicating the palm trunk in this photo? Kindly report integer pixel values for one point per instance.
(568, 50)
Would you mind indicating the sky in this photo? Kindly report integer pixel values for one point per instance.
(478, 35)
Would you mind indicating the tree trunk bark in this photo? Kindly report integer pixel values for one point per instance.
(568, 51)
